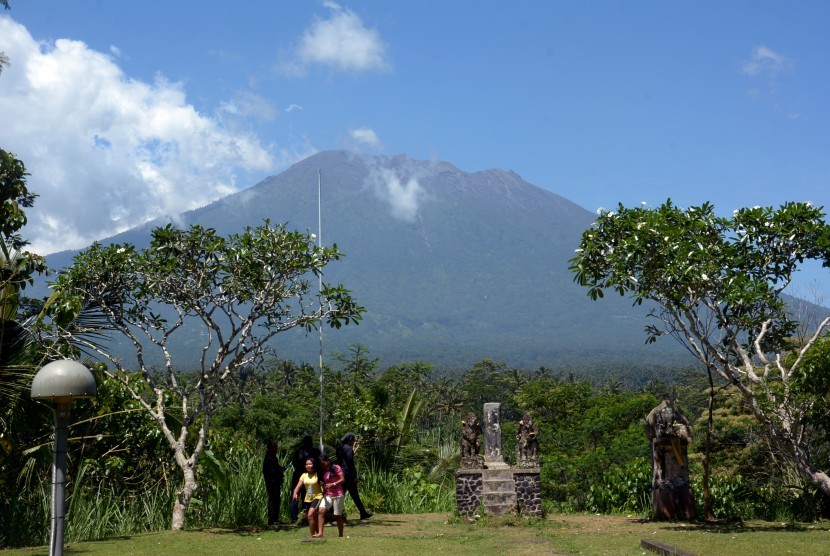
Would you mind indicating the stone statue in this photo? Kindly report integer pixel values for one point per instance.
(527, 443)
(470, 429)
(669, 432)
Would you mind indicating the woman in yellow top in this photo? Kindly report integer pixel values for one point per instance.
(313, 493)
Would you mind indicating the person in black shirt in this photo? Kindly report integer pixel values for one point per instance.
(273, 473)
(345, 457)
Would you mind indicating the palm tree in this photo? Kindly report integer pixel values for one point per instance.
(450, 398)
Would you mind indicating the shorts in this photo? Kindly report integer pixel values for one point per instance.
(335, 502)
(315, 503)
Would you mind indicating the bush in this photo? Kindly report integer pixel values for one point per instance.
(625, 488)
(734, 497)
(410, 491)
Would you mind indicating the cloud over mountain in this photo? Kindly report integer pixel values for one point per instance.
(107, 152)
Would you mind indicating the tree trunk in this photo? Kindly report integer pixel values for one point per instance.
(792, 445)
(816, 477)
(707, 494)
(183, 495)
(797, 450)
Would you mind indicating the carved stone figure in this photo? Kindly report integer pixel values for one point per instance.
(669, 432)
(527, 443)
(470, 429)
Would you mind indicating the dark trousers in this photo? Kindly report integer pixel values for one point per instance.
(351, 488)
(273, 504)
(295, 510)
(296, 505)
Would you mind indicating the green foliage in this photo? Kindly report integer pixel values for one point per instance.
(718, 283)
(18, 269)
(21, 420)
(583, 432)
(115, 438)
(276, 400)
(357, 365)
(680, 257)
(751, 478)
(241, 290)
(100, 509)
(622, 488)
(14, 197)
(199, 273)
(24, 515)
(408, 491)
(594, 452)
(239, 498)
(729, 496)
(813, 385)
(487, 381)
(736, 498)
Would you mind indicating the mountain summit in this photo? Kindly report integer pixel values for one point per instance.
(451, 266)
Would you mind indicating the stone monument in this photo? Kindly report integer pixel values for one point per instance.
(493, 458)
(497, 488)
(527, 443)
(669, 432)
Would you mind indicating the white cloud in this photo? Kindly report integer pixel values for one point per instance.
(250, 105)
(404, 195)
(106, 152)
(764, 61)
(365, 136)
(341, 42)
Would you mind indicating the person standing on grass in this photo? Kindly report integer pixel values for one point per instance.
(304, 451)
(313, 494)
(333, 496)
(273, 474)
(345, 457)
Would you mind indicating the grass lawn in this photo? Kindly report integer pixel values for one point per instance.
(433, 534)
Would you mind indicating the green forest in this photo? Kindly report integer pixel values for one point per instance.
(595, 455)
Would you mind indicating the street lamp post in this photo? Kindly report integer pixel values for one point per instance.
(61, 382)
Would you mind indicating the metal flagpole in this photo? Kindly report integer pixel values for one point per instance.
(320, 296)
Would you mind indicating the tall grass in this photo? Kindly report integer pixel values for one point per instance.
(403, 493)
(237, 498)
(24, 517)
(93, 511)
(96, 511)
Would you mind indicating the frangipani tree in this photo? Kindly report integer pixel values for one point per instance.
(718, 285)
(241, 291)
(18, 268)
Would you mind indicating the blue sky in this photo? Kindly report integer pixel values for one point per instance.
(125, 111)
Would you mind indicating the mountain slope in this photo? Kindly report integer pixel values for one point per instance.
(451, 266)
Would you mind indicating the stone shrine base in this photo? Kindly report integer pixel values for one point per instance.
(673, 502)
(500, 491)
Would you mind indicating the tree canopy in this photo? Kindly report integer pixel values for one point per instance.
(718, 285)
(242, 291)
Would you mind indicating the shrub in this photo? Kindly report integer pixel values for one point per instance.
(622, 488)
